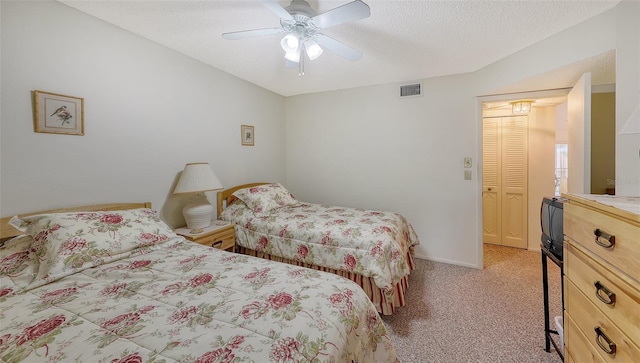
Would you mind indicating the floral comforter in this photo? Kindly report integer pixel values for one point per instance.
(370, 243)
(178, 301)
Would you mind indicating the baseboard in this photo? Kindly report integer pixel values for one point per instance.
(450, 262)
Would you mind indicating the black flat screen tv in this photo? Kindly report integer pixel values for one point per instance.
(551, 213)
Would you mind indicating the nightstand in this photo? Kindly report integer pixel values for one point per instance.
(218, 235)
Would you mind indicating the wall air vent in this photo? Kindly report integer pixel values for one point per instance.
(410, 90)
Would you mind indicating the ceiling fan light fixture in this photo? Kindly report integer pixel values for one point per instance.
(313, 49)
(290, 42)
(293, 56)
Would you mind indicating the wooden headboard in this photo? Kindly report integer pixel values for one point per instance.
(226, 197)
(7, 231)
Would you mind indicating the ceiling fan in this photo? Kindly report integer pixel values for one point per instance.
(302, 25)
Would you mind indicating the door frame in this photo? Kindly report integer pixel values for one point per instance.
(504, 97)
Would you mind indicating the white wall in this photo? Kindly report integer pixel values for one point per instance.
(627, 97)
(148, 111)
(365, 147)
(542, 147)
(561, 124)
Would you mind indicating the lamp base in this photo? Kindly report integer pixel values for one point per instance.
(198, 214)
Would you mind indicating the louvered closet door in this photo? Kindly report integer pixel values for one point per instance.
(504, 192)
(514, 181)
(491, 155)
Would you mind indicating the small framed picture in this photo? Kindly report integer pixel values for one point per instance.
(247, 135)
(58, 114)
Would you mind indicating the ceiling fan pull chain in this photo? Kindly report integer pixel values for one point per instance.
(301, 65)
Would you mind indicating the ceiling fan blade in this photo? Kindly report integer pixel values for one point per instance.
(337, 47)
(354, 10)
(277, 9)
(252, 33)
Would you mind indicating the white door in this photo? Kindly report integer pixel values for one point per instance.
(579, 138)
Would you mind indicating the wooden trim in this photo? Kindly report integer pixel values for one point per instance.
(7, 231)
(611, 211)
(226, 197)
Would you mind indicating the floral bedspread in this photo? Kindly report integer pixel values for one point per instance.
(371, 243)
(183, 302)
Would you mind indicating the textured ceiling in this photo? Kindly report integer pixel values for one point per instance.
(401, 41)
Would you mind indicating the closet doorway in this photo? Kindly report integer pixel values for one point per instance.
(504, 180)
(546, 127)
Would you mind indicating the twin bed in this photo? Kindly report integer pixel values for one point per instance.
(372, 248)
(113, 283)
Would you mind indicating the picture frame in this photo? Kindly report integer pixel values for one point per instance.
(247, 135)
(58, 114)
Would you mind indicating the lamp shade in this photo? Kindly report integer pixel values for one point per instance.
(197, 177)
(293, 56)
(312, 48)
(290, 42)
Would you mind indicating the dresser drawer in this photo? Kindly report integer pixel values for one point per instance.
(225, 241)
(581, 224)
(596, 283)
(577, 345)
(220, 235)
(598, 329)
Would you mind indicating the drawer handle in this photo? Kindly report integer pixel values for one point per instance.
(215, 244)
(610, 347)
(601, 291)
(610, 239)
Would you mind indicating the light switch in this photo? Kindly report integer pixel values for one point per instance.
(467, 175)
(467, 162)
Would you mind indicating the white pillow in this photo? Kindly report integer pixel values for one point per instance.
(262, 199)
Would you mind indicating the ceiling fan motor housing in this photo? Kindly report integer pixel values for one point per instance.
(301, 13)
(301, 7)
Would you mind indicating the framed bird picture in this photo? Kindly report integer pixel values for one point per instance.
(58, 114)
(246, 132)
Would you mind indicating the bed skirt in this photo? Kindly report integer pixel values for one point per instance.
(376, 295)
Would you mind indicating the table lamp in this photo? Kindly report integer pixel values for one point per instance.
(197, 178)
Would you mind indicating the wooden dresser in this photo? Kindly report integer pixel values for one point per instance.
(602, 278)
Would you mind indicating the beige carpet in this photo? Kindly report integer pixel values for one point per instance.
(460, 314)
